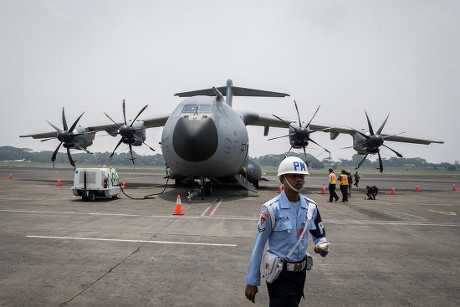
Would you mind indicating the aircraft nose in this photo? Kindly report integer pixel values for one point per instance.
(195, 140)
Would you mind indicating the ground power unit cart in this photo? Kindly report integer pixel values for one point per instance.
(90, 183)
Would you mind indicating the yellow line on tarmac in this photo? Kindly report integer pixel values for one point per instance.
(443, 212)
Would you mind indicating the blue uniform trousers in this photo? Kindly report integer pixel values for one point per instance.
(287, 289)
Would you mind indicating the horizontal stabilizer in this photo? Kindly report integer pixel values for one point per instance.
(237, 91)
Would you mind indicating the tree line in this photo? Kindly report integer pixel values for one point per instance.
(9, 153)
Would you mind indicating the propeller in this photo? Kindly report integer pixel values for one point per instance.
(66, 137)
(374, 141)
(128, 132)
(299, 136)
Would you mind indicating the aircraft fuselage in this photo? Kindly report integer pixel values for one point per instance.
(204, 137)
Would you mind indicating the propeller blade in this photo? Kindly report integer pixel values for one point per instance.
(139, 114)
(131, 151)
(318, 145)
(53, 157)
(283, 136)
(112, 120)
(70, 157)
(362, 134)
(369, 124)
(298, 115)
(288, 124)
(121, 140)
(75, 123)
(305, 153)
(362, 161)
(83, 148)
(124, 111)
(55, 128)
(397, 153)
(308, 125)
(383, 125)
(139, 139)
(288, 151)
(380, 162)
(64, 122)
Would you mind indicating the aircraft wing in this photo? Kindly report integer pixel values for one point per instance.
(110, 128)
(257, 119)
(43, 135)
(335, 131)
(397, 138)
(156, 121)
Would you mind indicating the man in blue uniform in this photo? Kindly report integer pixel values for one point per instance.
(281, 226)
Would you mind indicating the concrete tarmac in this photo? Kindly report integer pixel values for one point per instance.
(57, 250)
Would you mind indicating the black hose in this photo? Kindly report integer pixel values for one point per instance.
(146, 196)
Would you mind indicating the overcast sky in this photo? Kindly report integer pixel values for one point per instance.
(399, 57)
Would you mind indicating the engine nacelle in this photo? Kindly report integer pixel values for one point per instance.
(298, 136)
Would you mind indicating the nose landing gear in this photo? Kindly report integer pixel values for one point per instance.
(203, 188)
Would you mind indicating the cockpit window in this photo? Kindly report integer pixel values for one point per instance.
(192, 108)
(189, 108)
(204, 108)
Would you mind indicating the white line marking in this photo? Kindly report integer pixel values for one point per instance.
(132, 215)
(326, 221)
(132, 241)
(367, 222)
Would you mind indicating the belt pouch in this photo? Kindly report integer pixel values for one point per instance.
(273, 267)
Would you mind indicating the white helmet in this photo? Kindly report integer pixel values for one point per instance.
(292, 165)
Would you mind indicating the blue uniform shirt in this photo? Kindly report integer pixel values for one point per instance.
(288, 226)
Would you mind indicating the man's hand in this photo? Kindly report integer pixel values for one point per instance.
(250, 292)
(322, 248)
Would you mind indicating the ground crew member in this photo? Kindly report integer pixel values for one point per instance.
(356, 179)
(332, 183)
(344, 185)
(371, 192)
(290, 215)
(350, 183)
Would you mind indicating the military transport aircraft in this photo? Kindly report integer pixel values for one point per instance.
(204, 138)
(369, 142)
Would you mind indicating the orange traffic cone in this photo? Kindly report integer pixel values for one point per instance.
(59, 181)
(178, 207)
(280, 189)
(393, 191)
(417, 189)
(453, 188)
(11, 177)
(324, 189)
(124, 184)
